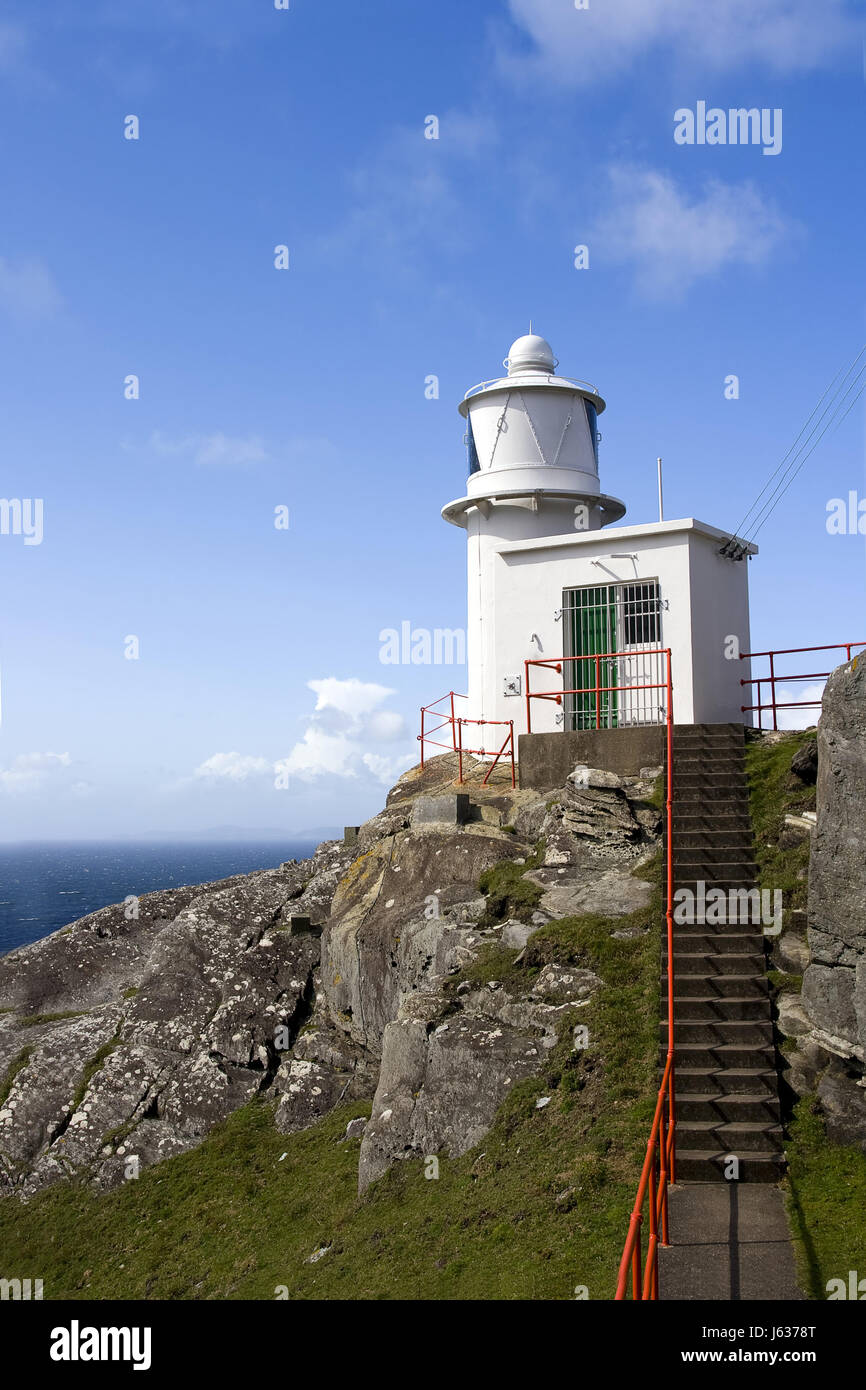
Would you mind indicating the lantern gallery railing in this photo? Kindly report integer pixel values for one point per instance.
(459, 730)
(606, 690)
(772, 678)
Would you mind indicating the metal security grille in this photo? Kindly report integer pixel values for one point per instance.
(602, 619)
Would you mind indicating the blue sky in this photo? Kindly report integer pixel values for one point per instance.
(305, 388)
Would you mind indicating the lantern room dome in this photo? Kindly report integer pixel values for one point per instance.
(530, 354)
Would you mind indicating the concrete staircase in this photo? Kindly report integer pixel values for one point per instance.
(727, 1094)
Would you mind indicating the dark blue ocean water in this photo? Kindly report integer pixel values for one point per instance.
(46, 886)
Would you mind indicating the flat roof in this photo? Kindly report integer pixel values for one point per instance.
(608, 535)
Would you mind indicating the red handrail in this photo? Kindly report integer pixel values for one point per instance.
(659, 1167)
(555, 663)
(447, 722)
(456, 723)
(773, 679)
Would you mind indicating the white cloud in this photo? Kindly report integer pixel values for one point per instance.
(796, 718)
(347, 718)
(579, 47)
(28, 289)
(234, 767)
(28, 771)
(674, 238)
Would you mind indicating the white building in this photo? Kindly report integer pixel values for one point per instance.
(550, 577)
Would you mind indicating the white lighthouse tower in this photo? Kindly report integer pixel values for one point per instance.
(550, 577)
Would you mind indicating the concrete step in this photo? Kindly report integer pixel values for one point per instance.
(691, 757)
(733, 1137)
(730, 731)
(693, 1080)
(696, 861)
(691, 940)
(712, 1032)
(708, 1107)
(688, 835)
(717, 987)
(709, 1165)
(691, 794)
(708, 1008)
(721, 1056)
(716, 875)
(707, 964)
(692, 880)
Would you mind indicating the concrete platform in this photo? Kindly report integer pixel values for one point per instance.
(731, 1243)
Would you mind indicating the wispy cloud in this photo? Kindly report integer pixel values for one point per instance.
(28, 290)
(674, 237)
(580, 47)
(213, 450)
(218, 450)
(411, 193)
(13, 45)
(232, 767)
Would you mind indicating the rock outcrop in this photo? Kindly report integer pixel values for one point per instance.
(127, 1036)
(830, 1026)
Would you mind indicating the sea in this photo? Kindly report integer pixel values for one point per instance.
(45, 886)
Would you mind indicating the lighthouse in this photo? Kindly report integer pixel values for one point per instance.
(552, 578)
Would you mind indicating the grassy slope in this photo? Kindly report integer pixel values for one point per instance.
(540, 1207)
(826, 1183)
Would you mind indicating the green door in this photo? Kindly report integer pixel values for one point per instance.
(589, 619)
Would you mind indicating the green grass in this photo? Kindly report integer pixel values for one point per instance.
(826, 1182)
(785, 983)
(31, 1020)
(774, 791)
(508, 893)
(826, 1202)
(18, 1061)
(540, 1207)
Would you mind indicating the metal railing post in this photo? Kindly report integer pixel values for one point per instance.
(460, 749)
(528, 701)
(773, 689)
(452, 720)
(669, 911)
(598, 692)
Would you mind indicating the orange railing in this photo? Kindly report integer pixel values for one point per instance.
(773, 679)
(456, 744)
(659, 1168)
(603, 713)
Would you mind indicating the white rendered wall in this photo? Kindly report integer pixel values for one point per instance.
(515, 591)
(720, 612)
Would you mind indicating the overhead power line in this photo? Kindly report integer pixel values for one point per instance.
(846, 381)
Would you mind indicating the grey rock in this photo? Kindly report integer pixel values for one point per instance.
(828, 994)
(451, 810)
(843, 1101)
(612, 892)
(793, 1018)
(516, 934)
(805, 761)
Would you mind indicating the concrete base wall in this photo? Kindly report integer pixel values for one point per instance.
(547, 759)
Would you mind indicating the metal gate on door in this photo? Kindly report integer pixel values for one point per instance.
(601, 619)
